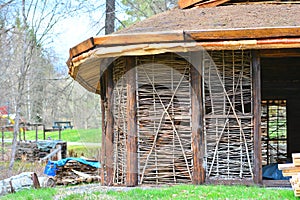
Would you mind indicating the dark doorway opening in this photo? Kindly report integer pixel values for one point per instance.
(280, 79)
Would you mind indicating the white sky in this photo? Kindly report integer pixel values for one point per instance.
(73, 30)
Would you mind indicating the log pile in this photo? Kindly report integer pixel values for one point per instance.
(293, 170)
(29, 151)
(74, 172)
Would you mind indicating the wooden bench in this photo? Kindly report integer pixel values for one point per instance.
(62, 125)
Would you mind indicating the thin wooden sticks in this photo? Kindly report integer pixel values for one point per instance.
(173, 126)
(230, 84)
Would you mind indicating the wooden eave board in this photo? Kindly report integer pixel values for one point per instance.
(187, 3)
(85, 67)
(82, 47)
(200, 3)
(244, 33)
(184, 36)
(138, 38)
(126, 39)
(211, 3)
(279, 53)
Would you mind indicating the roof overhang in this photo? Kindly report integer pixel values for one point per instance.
(88, 58)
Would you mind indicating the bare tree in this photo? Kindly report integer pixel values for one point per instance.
(110, 16)
(37, 19)
(3, 4)
(29, 80)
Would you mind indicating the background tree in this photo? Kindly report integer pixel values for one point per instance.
(138, 10)
(110, 16)
(32, 86)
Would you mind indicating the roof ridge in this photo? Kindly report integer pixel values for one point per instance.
(187, 4)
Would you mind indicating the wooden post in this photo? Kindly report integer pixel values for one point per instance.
(109, 127)
(35, 181)
(257, 158)
(2, 131)
(198, 147)
(44, 132)
(131, 142)
(103, 136)
(59, 133)
(20, 135)
(24, 134)
(36, 133)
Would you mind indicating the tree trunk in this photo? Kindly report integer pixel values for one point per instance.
(15, 136)
(110, 17)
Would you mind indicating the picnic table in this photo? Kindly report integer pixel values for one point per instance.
(62, 125)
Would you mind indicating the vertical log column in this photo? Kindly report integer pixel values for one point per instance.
(103, 127)
(109, 127)
(131, 142)
(197, 121)
(257, 159)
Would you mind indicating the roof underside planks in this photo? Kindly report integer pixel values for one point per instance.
(280, 30)
(185, 36)
(86, 67)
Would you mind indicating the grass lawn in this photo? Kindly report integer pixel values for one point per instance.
(92, 152)
(206, 192)
(173, 192)
(69, 135)
(82, 137)
(32, 194)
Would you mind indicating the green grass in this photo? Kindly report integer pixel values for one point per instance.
(205, 192)
(185, 192)
(32, 194)
(69, 135)
(20, 167)
(86, 151)
(178, 192)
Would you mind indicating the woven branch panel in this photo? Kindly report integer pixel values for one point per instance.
(163, 117)
(120, 126)
(228, 117)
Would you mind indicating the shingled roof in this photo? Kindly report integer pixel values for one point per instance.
(231, 27)
(222, 17)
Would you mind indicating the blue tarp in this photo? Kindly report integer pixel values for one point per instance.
(47, 145)
(51, 166)
(272, 172)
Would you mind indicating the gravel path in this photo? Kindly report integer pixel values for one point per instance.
(90, 188)
(81, 189)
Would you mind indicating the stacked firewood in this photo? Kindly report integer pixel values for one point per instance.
(293, 170)
(28, 151)
(74, 172)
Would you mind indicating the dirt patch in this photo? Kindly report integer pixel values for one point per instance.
(87, 190)
(90, 188)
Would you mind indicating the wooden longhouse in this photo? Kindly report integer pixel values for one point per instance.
(204, 93)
